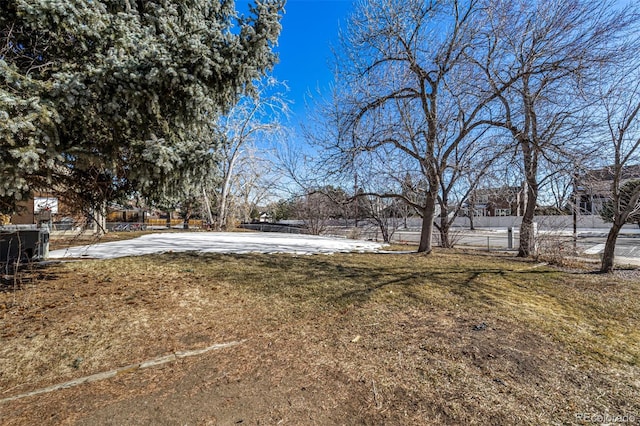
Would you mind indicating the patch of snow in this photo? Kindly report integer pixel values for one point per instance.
(217, 242)
(598, 248)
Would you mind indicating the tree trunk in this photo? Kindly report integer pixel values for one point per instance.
(527, 237)
(222, 208)
(384, 229)
(471, 210)
(101, 219)
(445, 240)
(168, 219)
(207, 204)
(608, 256)
(224, 194)
(428, 215)
(185, 220)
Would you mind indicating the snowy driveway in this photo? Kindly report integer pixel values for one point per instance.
(217, 242)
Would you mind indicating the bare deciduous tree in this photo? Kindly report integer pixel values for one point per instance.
(255, 116)
(408, 94)
(550, 48)
(317, 208)
(255, 181)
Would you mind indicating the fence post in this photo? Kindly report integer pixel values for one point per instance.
(510, 238)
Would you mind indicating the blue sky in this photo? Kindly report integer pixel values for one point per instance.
(309, 29)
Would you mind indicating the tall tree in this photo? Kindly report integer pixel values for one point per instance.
(550, 49)
(255, 118)
(408, 89)
(103, 98)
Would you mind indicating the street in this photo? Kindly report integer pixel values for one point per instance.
(589, 241)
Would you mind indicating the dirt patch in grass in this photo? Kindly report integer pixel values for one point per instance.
(451, 338)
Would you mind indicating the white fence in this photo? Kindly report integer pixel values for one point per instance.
(544, 222)
(503, 222)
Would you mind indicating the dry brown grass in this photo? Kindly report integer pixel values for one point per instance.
(453, 338)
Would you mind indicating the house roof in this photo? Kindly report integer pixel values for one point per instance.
(599, 181)
(606, 173)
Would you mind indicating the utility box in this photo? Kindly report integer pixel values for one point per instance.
(24, 244)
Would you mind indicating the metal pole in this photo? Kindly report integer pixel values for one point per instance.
(355, 197)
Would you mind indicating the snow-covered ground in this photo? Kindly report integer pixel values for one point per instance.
(217, 242)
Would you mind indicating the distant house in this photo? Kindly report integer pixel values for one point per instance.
(54, 210)
(41, 207)
(593, 188)
(265, 217)
(501, 201)
(118, 213)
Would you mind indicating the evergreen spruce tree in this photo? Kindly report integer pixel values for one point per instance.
(101, 99)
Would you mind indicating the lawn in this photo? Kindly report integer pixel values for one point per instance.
(451, 338)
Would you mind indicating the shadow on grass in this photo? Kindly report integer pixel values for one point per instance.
(14, 277)
(558, 303)
(341, 280)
